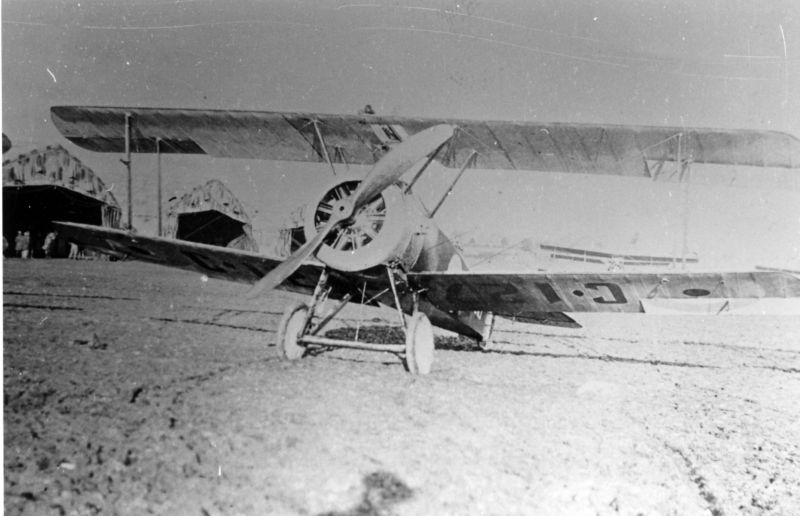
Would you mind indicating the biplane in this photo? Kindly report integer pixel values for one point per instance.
(368, 239)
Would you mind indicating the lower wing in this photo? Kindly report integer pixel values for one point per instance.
(213, 261)
(513, 294)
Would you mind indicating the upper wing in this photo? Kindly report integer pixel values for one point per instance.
(511, 294)
(216, 262)
(362, 139)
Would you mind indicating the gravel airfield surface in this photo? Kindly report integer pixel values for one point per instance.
(135, 389)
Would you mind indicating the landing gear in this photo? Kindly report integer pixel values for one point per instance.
(297, 333)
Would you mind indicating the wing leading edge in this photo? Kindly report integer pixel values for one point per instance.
(363, 139)
(511, 294)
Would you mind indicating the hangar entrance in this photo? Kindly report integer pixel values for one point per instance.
(210, 214)
(209, 227)
(43, 186)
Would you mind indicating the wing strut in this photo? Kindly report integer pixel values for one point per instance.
(684, 177)
(160, 186)
(683, 170)
(322, 145)
(424, 167)
(340, 156)
(127, 163)
(470, 162)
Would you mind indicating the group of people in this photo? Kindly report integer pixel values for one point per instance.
(23, 246)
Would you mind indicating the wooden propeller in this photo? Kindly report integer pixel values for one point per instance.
(385, 173)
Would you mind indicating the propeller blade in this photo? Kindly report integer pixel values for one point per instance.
(280, 273)
(388, 170)
(398, 160)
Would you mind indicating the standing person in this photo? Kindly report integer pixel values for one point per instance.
(49, 242)
(26, 245)
(73, 251)
(18, 241)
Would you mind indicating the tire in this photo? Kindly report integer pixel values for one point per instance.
(291, 326)
(419, 345)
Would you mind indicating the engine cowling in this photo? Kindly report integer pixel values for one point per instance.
(389, 229)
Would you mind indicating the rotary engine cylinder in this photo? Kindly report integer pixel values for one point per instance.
(389, 229)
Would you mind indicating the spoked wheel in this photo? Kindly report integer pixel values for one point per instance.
(419, 344)
(290, 329)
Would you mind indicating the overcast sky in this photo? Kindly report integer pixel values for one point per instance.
(726, 63)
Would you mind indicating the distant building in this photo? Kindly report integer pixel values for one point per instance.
(210, 214)
(46, 185)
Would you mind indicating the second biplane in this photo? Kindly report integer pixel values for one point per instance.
(376, 243)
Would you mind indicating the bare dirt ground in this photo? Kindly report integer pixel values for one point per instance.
(134, 389)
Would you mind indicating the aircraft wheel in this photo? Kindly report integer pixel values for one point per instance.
(290, 328)
(419, 344)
